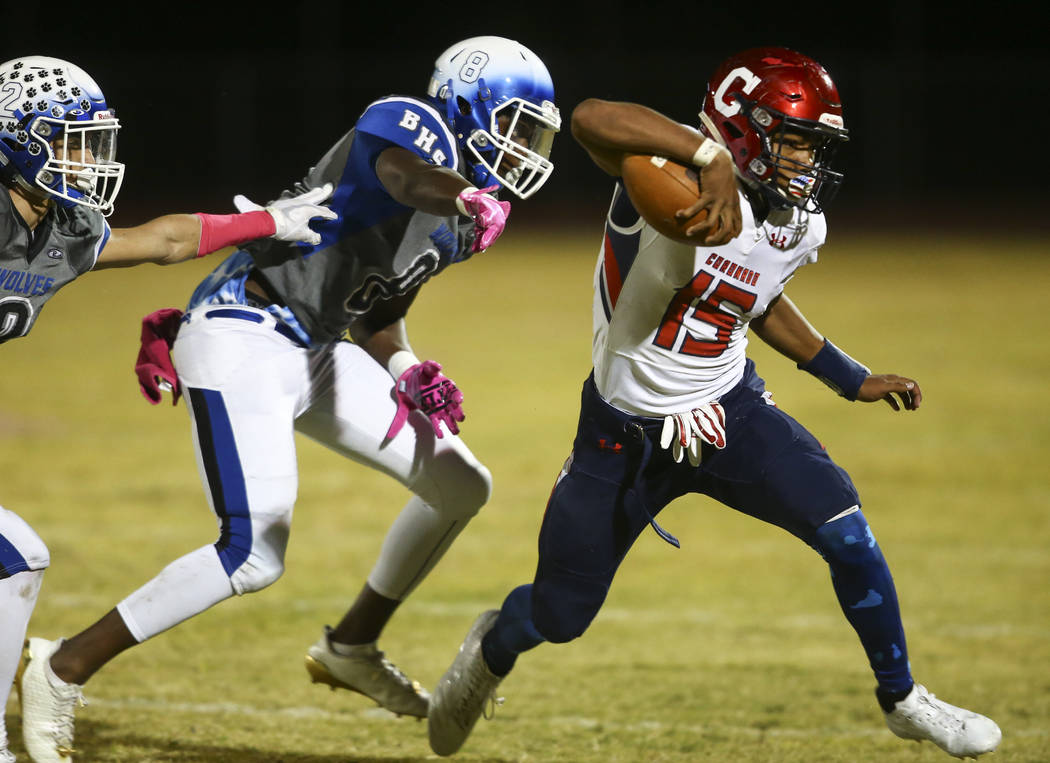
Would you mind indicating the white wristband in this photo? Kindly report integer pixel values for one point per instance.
(707, 152)
(459, 200)
(401, 361)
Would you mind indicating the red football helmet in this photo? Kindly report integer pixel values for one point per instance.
(756, 98)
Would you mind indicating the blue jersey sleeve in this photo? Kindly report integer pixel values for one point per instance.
(411, 124)
(103, 239)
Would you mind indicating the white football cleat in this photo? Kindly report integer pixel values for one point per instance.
(366, 671)
(48, 704)
(958, 732)
(462, 693)
(6, 756)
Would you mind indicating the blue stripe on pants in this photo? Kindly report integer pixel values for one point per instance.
(222, 466)
(11, 562)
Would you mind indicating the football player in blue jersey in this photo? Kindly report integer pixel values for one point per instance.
(674, 406)
(60, 180)
(280, 339)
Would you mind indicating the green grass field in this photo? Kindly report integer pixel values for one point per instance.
(730, 649)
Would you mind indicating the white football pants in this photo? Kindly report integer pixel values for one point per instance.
(249, 388)
(20, 547)
(23, 559)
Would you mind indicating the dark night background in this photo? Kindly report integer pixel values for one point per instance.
(943, 105)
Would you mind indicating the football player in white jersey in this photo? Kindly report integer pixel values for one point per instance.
(674, 406)
(60, 179)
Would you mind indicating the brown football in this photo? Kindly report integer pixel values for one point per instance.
(659, 187)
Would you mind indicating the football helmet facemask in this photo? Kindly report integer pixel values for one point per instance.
(57, 133)
(764, 100)
(498, 98)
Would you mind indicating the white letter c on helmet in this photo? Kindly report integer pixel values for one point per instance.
(750, 83)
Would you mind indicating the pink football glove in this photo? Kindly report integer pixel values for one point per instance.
(423, 387)
(153, 366)
(489, 215)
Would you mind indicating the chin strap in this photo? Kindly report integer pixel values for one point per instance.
(8, 174)
(451, 107)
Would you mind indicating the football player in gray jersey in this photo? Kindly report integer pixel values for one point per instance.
(60, 179)
(261, 352)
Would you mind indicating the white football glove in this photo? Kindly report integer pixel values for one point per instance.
(684, 432)
(292, 216)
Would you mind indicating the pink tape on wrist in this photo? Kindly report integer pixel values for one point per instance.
(218, 231)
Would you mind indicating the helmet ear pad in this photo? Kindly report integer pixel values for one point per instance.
(467, 117)
(746, 149)
(8, 174)
(469, 121)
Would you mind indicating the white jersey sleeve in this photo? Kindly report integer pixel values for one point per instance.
(670, 320)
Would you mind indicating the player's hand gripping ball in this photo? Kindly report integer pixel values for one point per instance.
(658, 188)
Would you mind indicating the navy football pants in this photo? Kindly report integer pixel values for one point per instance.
(618, 480)
(772, 468)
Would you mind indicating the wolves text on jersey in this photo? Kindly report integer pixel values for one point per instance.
(426, 138)
(22, 282)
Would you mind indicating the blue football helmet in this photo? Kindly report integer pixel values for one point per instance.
(498, 98)
(57, 133)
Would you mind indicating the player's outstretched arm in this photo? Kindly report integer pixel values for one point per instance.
(416, 183)
(164, 241)
(612, 130)
(784, 328)
(176, 238)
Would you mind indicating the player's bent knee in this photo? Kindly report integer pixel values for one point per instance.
(254, 557)
(25, 549)
(563, 609)
(846, 539)
(36, 553)
(477, 489)
(462, 490)
(256, 574)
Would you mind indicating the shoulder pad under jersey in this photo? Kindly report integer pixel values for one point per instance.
(413, 125)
